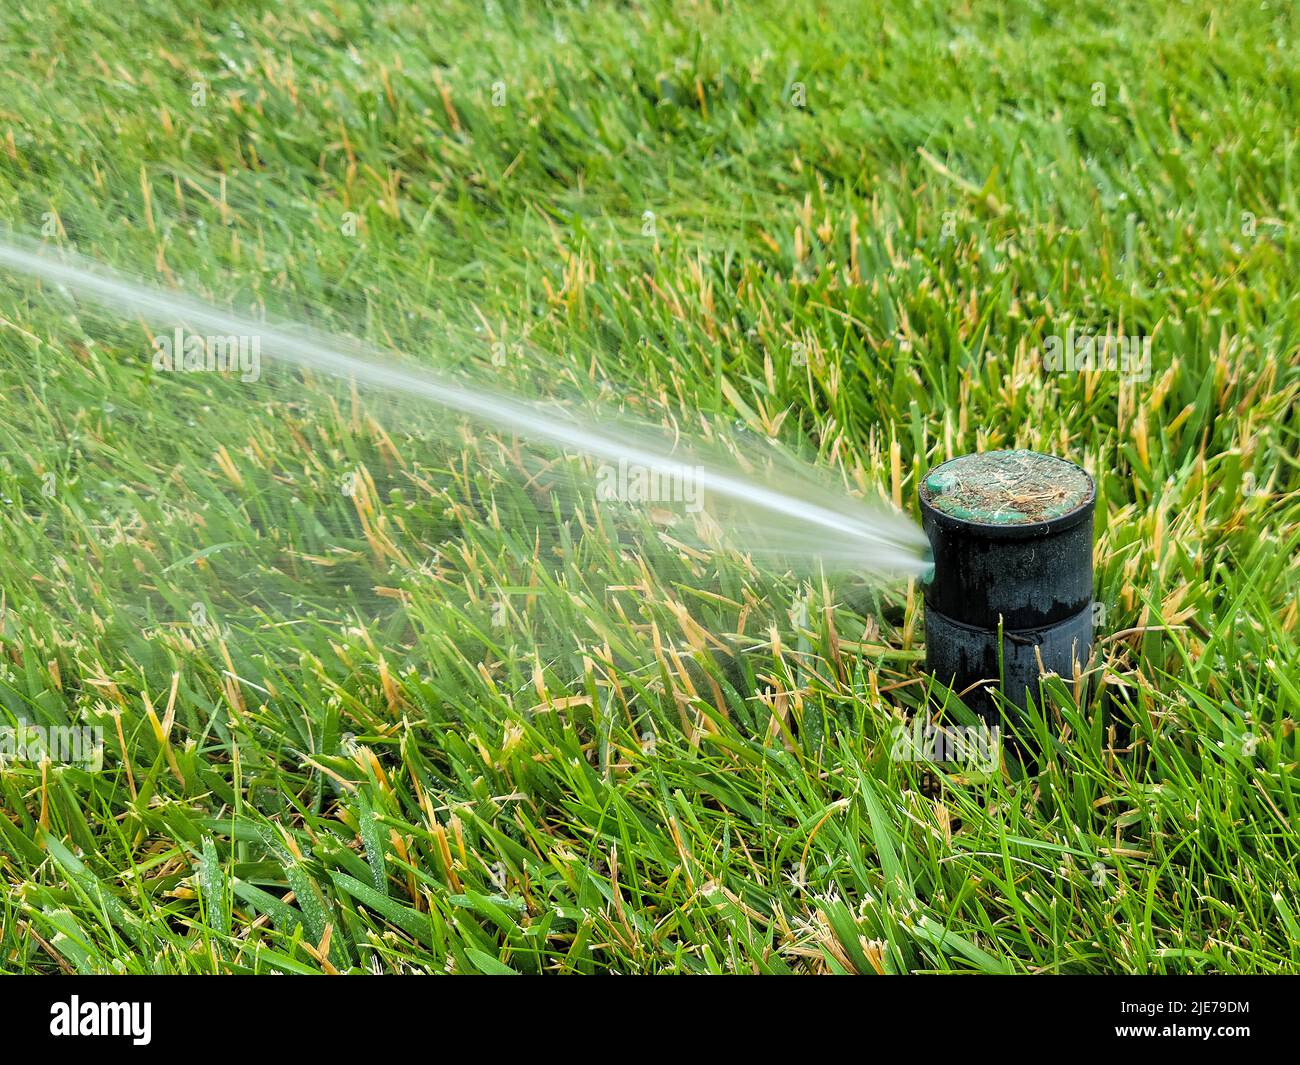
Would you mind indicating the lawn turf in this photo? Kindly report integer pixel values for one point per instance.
(443, 721)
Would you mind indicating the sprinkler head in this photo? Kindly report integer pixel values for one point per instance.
(1011, 533)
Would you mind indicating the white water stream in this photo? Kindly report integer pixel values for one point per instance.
(848, 530)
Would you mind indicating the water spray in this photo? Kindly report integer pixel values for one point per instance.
(877, 539)
(1010, 531)
(1011, 595)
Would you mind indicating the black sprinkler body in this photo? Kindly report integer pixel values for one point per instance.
(1011, 533)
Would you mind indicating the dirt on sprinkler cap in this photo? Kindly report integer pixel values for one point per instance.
(1007, 487)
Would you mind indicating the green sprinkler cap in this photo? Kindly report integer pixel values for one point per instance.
(1007, 488)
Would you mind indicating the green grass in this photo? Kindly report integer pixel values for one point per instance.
(455, 721)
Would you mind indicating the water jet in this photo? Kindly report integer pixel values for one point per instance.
(1011, 593)
(828, 526)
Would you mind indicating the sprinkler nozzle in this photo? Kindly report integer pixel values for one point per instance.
(927, 574)
(1011, 537)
